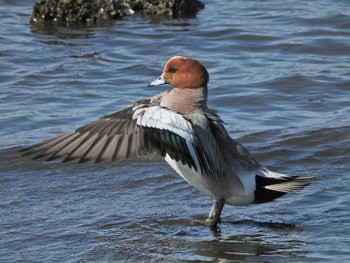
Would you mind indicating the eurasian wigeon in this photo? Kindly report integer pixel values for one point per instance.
(179, 126)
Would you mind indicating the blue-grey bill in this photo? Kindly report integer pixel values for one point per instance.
(159, 81)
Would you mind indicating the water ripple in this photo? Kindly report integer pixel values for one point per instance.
(280, 81)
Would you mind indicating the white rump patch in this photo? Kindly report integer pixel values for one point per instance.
(270, 174)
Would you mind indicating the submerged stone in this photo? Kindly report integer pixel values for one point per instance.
(72, 12)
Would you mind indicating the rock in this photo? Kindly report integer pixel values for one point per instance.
(72, 12)
(171, 8)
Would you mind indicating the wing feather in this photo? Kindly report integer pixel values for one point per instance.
(170, 133)
(107, 150)
(81, 147)
(132, 132)
(63, 148)
(109, 138)
(94, 149)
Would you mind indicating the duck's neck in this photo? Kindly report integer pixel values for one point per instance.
(186, 101)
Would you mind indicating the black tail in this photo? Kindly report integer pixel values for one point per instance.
(268, 189)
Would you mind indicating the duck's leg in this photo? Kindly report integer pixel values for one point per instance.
(215, 212)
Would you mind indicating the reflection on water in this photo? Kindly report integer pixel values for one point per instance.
(63, 32)
(280, 81)
(245, 248)
(177, 240)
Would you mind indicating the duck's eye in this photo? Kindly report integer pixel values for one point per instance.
(172, 70)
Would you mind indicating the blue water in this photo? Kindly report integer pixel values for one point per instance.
(280, 79)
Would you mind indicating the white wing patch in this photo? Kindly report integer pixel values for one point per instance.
(164, 119)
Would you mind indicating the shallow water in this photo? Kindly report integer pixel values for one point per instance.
(280, 78)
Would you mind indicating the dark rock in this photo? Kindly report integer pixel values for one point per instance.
(72, 12)
(171, 8)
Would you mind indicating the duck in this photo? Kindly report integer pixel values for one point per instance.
(178, 126)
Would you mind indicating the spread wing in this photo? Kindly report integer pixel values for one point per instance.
(113, 137)
(135, 131)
